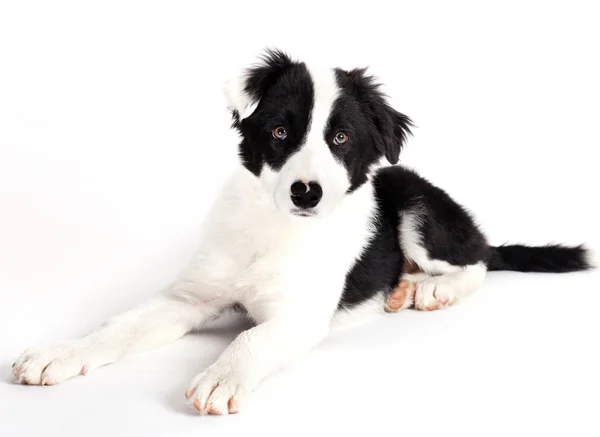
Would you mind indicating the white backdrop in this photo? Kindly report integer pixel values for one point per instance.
(114, 140)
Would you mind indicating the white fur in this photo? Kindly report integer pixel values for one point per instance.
(592, 258)
(359, 314)
(238, 98)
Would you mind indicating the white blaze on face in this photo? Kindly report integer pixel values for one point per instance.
(314, 162)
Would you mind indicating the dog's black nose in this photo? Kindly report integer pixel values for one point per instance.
(306, 196)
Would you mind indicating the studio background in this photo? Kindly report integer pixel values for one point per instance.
(114, 140)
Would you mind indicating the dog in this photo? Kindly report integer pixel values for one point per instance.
(318, 224)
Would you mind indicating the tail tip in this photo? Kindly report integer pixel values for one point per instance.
(592, 258)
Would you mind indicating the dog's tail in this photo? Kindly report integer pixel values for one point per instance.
(549, 259)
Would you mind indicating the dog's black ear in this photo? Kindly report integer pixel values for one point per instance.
(392, 128)
(244, 91)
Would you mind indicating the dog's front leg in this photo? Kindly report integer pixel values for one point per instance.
(252, 356)
(159, 321)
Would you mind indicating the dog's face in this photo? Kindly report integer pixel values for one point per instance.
(312, 137)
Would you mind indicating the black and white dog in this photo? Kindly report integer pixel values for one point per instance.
(312, 228)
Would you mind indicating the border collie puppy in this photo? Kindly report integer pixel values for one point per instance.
(310, 230)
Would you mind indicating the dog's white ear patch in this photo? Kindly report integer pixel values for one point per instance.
(238, 98)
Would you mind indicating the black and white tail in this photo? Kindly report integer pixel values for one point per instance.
(550, 259)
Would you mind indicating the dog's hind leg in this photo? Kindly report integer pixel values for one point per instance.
(445, 253)
(162, 320)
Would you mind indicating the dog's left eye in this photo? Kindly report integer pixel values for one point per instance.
(340, 138)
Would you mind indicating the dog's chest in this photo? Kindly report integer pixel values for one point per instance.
(300, 259)
(289, 252)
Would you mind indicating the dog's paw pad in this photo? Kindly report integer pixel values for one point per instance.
(401, 297)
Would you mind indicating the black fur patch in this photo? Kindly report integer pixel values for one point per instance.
(375, 129)
(286, 94)
(551, 258)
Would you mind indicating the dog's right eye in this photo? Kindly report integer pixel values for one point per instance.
(279, 133)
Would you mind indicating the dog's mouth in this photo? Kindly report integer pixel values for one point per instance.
(303, 212)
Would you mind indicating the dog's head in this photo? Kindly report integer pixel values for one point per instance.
(312, 137)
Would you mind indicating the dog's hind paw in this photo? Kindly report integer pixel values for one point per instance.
(401, 297)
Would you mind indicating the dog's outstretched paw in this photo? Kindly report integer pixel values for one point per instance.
(51, 365)
(218, 391)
